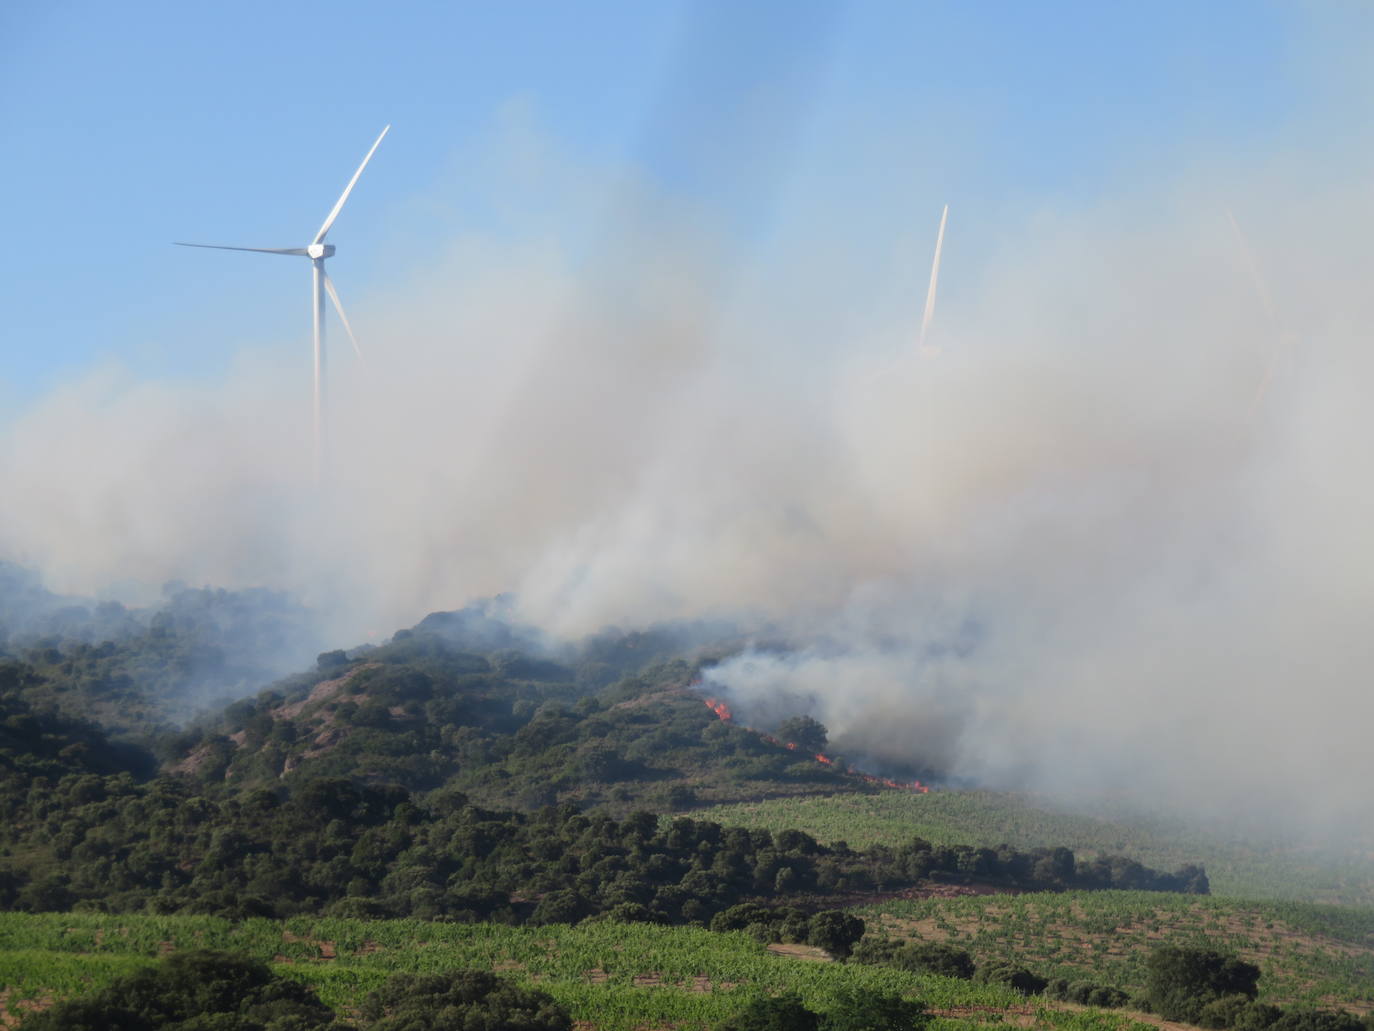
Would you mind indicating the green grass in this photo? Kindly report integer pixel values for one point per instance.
(1261, 869)
(620, 977)
(1319, 955)
(616, 976)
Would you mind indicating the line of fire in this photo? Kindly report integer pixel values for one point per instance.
(722, 711)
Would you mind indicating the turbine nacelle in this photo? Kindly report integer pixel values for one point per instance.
(320, 250)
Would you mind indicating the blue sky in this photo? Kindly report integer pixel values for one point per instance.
(131, 125)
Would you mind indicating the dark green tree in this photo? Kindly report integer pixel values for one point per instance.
(1317, 1020)
(934, 958)
(874, 1011)
(1180, 981)
(1107, 997)
(199, 990)
(560, 907)
(835, 932)
(1226, 1011)
(466, 1000)
(1018, 978)
(1258, 1016)
(330, 662)
(807, 734)
(778, 1013)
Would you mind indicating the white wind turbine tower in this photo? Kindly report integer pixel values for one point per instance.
(317, 251)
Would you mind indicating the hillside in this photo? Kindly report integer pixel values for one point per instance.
(423, 779)
(470, 773)
(506, 728)
(138, 672)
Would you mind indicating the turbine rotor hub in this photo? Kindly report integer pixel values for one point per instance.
(320, 250)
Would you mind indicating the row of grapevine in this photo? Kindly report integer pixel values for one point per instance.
(1322, 955)
(621, 976)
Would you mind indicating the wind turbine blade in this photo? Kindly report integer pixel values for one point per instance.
(329, 221)
(1266, 299)
(258, 250)
(338, 307)
(934, 278)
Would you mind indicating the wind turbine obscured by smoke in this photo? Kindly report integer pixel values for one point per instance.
(1279, 340)
(929, 312)
(317, 251)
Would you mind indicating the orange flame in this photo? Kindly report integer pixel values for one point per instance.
(723, 712)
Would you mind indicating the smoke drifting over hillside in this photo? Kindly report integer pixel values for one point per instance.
(1078, 548)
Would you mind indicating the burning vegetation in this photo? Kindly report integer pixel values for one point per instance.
(723, 713)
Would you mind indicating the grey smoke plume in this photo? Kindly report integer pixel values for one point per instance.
(1071, 550)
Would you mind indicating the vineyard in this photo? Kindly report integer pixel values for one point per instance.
(1236, 865)
(616, 977)
(1320, 955)
(619, 977)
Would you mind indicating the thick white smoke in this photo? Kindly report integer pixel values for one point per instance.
(1071, 549)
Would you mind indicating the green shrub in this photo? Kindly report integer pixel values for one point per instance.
(780, 1013)
(1317, 1020)
(198, 989)
(934, 958)
(854, 1011)
(1018, 978)
(467, 1000)
(1107, 997)
(1223, 1012)
(877, 950)
(835, 932)
(1257, 1016)
(1181, 981)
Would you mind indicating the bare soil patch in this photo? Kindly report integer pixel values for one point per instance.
(21, 1008)
(700, 983)
(324, 689)
(1021, 1016)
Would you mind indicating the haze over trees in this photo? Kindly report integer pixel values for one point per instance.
(462, 773)
(359, 789)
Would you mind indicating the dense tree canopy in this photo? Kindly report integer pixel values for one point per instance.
(365, 788)
(806, 733)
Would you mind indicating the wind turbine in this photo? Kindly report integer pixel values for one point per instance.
(929, 312)
(1282, 339)
(317, 251)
